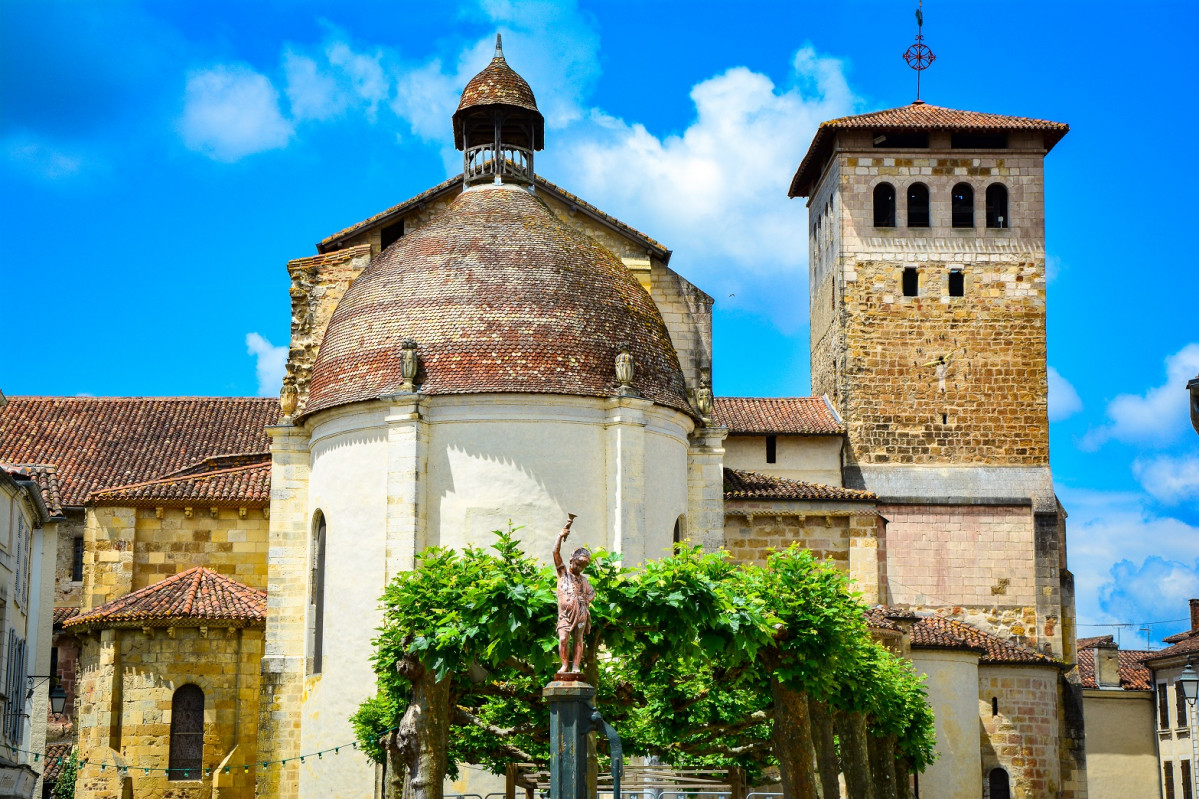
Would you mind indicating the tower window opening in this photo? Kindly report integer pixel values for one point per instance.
(997, 206)
(963, 205)
(911, 282)
(900, 140)
(771, 449)
(918, 215)
(944, 418)
(391, 234)
(1001, 787)
(978, 141)
(77, 560)
(884, 205)
(994, 706)
(957, 283)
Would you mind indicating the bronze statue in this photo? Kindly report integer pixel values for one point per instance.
(574, 599)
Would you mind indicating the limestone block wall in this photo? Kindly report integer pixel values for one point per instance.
(687, 312)
(812, 459)
(1023, 737)
(128, 680)
(107, 555)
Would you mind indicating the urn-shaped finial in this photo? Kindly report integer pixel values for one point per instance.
(409, 361)
(625, 370)
(288, 400)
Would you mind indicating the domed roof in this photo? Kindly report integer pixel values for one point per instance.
(500, 296)
(498, 84)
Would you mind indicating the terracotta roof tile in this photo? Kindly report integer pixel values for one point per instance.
(54, 754)
(98, 442)
(46, 478)
(192, 598)
(500, 296)
(938, 632)
(498, 84)
(805, 416)
(1134, 674)
(876, 619)
(917, 116)
(1183, 647)
(246, 484)
(62, 614)
(752, 485)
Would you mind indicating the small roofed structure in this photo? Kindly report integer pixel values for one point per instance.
(193, 598)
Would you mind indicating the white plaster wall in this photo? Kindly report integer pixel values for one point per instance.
(665, 487)
(952, 682)
(347, 485)
(812, 459)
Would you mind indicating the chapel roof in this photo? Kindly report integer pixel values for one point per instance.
(500, 296)
(221, 482)
(1134, 674)
(938, 632)
(100, 442)
(917, 116)
(193, 598)
(805, 416)
(743, 485)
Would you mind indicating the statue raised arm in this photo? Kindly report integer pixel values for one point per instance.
(574, 600)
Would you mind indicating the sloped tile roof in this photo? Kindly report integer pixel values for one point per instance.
(1134, 674)
(805, 416)
(55, 753)
(46, 478)
(192, 598)
(500, 296)
(100, 442)
(454, 184)
(63, 614)
(938, 632)
(1186, 646)
(247, 484)
(915, 117)
(740, 484)
(876, 618)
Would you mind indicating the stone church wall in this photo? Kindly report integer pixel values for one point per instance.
(1023, 738)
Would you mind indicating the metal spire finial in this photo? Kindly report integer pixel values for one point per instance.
(919, 57)
(499, 47)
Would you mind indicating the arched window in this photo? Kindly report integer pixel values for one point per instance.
(998, 784)
(187, 734)
(680, 529)
(884, 205)
(918, 205)
(316, 594)
(963, 205)
(997, 205)
(994, 706)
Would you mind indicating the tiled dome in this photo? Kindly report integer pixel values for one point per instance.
(498, 84)
(500, 296)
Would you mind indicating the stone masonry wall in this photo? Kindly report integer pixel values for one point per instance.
(68, 592)
(1023, 737)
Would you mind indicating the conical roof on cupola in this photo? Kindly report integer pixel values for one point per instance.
(498, 85)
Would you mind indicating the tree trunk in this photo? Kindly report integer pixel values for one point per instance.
(826, 748)
(882, 766)
(791, 738)
(418, 751)
(855, 755)
(903, 779)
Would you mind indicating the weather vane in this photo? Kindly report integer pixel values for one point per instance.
(919, 56)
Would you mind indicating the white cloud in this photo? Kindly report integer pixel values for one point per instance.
(1156, 590)
(311, 92)
(1169, 479)
(40, 159)
(1063, 399)
(231, 111)
(271, 364)
(363, 72)
(1156, 417)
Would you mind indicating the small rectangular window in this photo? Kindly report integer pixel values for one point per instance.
(1168, 776)
(1184, 776)
(391, 234)
(771, 449)
(900, 140)
(957, 283)
(77, 560)
(978, 141)
(911, 282)
(1163, 707)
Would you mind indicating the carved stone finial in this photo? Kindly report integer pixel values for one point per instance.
(409, 361)
(625, 371)
(288, 400)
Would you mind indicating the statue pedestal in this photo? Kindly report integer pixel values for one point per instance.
(569, 699)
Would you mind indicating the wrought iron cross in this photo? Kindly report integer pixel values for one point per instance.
(919, 57)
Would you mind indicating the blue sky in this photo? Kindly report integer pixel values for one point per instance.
(161, 162)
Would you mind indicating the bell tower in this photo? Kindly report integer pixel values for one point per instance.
(497, 125)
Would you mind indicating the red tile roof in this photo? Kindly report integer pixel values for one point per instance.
(54, 754)
(498, 84)
(917, 116)
(46, 478)
(1134, 675)
(246, 484)
(805, 416)
(500, 297)
(193, 598)
(99, 442)
(938, 632)
(454, 185)
(877, 619)
(754, 486)
(1186, 646)
(62, 614)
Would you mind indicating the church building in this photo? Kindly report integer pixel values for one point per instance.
(496, 348)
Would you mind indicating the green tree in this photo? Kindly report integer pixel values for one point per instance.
(64, 788)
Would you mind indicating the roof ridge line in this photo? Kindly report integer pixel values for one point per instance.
(174, 477)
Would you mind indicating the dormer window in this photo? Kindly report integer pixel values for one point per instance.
(391, 234)
(884, 205)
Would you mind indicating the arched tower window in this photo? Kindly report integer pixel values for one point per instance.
(963, 205)
(997, 205)
(316, 597)
(187, 734)
(884, 205)
(918, 205)
(998, 784)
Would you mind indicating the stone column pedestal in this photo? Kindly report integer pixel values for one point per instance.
(569, 699)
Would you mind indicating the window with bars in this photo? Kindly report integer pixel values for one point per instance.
(187, 733)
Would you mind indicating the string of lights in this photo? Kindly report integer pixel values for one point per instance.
(207, 770)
